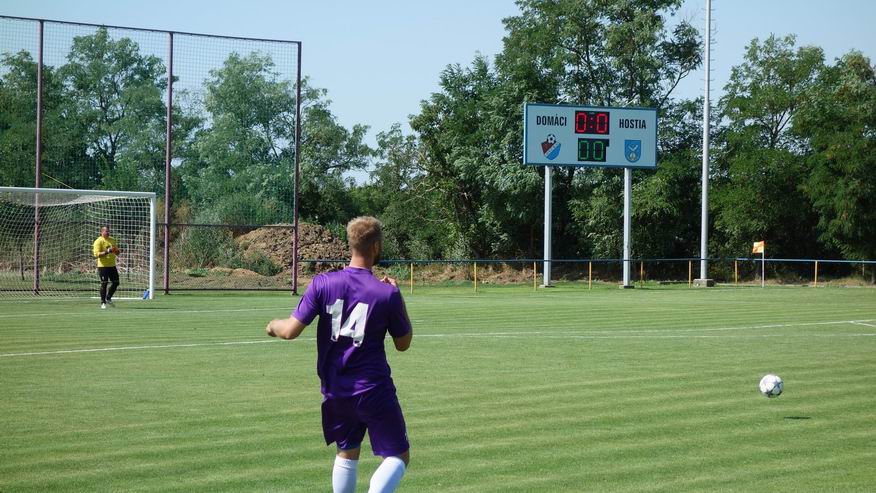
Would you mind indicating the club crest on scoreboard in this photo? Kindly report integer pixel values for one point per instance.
(632, 150)
(550, 147)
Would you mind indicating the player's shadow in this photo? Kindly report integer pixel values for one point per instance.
(797, 417)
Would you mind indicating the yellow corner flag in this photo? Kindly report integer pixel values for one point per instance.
(758, 247)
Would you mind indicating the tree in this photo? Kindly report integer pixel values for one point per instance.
(329, 152)
(757, 190)
(416, 223)
(65, 161)
(115, 96)
(241, 165)
(838, 117)
(17, 120)
(561, 51)
(666, 203)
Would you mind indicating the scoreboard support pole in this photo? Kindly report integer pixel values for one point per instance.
(548, 192)
(589, 136)
(628, 210)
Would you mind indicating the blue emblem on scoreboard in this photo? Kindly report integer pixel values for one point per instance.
(632, 150)
(550, 147)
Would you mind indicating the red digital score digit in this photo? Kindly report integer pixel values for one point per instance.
(592, 122)
(602, 123)
(580, 122)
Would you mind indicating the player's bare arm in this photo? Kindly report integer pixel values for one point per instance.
(404, 342)
(288, 328)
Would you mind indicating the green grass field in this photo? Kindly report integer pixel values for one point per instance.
(505, 390)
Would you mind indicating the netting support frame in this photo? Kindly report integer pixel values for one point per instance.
(169, 137)
(297, 176)
(168, 157)
(38, 169)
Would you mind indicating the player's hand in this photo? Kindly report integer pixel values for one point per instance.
(116, 250)
(270, 330)
(109, 250)
(389, 280)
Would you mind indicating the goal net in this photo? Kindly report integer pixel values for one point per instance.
(46, 238)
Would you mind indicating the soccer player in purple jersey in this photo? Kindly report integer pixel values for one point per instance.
(356, 310)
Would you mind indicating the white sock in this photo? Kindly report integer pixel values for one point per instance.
(387, 477)
(344, 475)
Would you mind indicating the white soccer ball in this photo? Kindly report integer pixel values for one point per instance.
(771, 385)
(551, 138)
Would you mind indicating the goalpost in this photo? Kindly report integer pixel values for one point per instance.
(46, 237)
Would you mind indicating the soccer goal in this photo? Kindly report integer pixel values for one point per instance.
(46, 238)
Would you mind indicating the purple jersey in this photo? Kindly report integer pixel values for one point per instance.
(355, 312)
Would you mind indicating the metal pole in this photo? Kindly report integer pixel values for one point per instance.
(704, 231)
(297, 176)
(628, 210)
(763, 268)
(475, 277)
(151, 288)
(548, 190)
(38, 171)
(39, 108)
(590, 275)
(168, 156)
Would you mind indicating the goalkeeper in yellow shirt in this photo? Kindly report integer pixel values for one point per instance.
(105, 249)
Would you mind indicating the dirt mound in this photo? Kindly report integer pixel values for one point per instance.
(275, 242)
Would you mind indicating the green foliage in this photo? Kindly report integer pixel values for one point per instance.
(204, 246)
(555, 52)
(115, 94)
(455, 188)
(469, 134)
(758, 194)
(259, 263)
(64, 159)
(839, 117)
(399, 194)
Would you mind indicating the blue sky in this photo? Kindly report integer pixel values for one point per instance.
(380, 58)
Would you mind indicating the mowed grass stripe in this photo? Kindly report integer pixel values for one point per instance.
(556, 410)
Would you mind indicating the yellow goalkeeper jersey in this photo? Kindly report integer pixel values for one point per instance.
(100, 245)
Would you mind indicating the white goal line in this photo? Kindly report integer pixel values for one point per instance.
(624, 334)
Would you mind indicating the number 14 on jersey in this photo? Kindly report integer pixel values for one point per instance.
(353, 326)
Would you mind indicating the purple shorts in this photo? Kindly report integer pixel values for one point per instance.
(345, 419)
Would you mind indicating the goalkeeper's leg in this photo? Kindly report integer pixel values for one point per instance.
(104, 280)
(114, 278)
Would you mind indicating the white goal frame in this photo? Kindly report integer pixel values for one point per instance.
(94, 194)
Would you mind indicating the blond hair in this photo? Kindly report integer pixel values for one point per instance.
(363, 232)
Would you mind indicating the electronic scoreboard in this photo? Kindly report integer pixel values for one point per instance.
(565, 135)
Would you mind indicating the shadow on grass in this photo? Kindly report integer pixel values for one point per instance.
(797, 417)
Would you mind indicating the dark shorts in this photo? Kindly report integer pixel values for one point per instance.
(345, 419)
(108, 274)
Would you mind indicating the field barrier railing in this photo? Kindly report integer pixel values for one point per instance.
(738, 271)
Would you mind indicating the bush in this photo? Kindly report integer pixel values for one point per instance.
(260, 263)
(204, 246)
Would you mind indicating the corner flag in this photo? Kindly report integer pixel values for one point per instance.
(760, 247)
